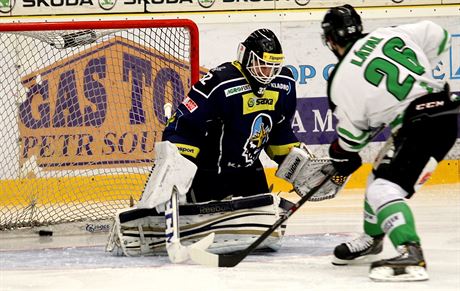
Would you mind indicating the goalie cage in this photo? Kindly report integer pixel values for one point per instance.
(81, 108)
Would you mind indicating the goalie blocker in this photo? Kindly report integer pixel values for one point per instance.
(236, 222)
(304, 172)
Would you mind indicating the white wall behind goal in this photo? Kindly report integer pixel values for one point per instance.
(299, 32)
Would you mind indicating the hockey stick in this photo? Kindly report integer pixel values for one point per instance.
(231, 260)
(178, 253)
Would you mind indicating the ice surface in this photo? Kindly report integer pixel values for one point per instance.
(303, 263)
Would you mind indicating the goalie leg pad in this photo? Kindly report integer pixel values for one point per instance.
(236, 224)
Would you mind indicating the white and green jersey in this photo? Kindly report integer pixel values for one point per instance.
(381, 74)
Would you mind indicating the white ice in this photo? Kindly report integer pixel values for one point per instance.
(70, 263)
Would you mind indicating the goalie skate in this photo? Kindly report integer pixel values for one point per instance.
(408, 266)
(236, 223)
(361, 250)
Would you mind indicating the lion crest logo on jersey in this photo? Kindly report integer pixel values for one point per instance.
(261, 127)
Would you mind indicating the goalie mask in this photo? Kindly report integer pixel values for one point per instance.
(262, 59)
(341, 25)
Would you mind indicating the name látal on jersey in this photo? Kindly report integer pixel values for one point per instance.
(366, 50)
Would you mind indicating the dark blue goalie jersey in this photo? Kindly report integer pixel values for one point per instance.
(222, 125)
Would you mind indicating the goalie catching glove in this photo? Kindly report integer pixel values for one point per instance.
(304, 172)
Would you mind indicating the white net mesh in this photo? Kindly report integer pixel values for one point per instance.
(81, 110)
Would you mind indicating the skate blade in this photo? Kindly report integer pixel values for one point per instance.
(387, 274)
(364, 260)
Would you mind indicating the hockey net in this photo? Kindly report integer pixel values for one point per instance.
(82, 104)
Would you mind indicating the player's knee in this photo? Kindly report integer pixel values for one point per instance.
(381, 191)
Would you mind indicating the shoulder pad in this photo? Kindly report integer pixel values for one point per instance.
(214, 79)
(286, 71)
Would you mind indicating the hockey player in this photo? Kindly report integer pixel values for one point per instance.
(233, 113)
(219, 130)
(384, 79)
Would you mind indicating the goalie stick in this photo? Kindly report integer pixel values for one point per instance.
(177, 252)
(230, 260)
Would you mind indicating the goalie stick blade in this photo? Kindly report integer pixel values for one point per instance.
(202, 257)
(178, 253)
(205, 258)
(203, 243)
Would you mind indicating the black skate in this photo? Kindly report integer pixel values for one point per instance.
(358, 251)
(408, 266)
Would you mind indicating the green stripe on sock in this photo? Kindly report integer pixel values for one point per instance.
(371, 227)
(397, 221)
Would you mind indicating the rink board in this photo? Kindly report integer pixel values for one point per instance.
(446, 173)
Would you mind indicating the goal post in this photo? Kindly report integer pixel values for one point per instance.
(82, 104)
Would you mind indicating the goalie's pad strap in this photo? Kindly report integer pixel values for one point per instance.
(209, 207)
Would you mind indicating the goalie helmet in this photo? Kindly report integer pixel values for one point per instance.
(341, 25)
(262, 57)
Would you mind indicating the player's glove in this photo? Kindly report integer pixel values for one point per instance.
(344, 162)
